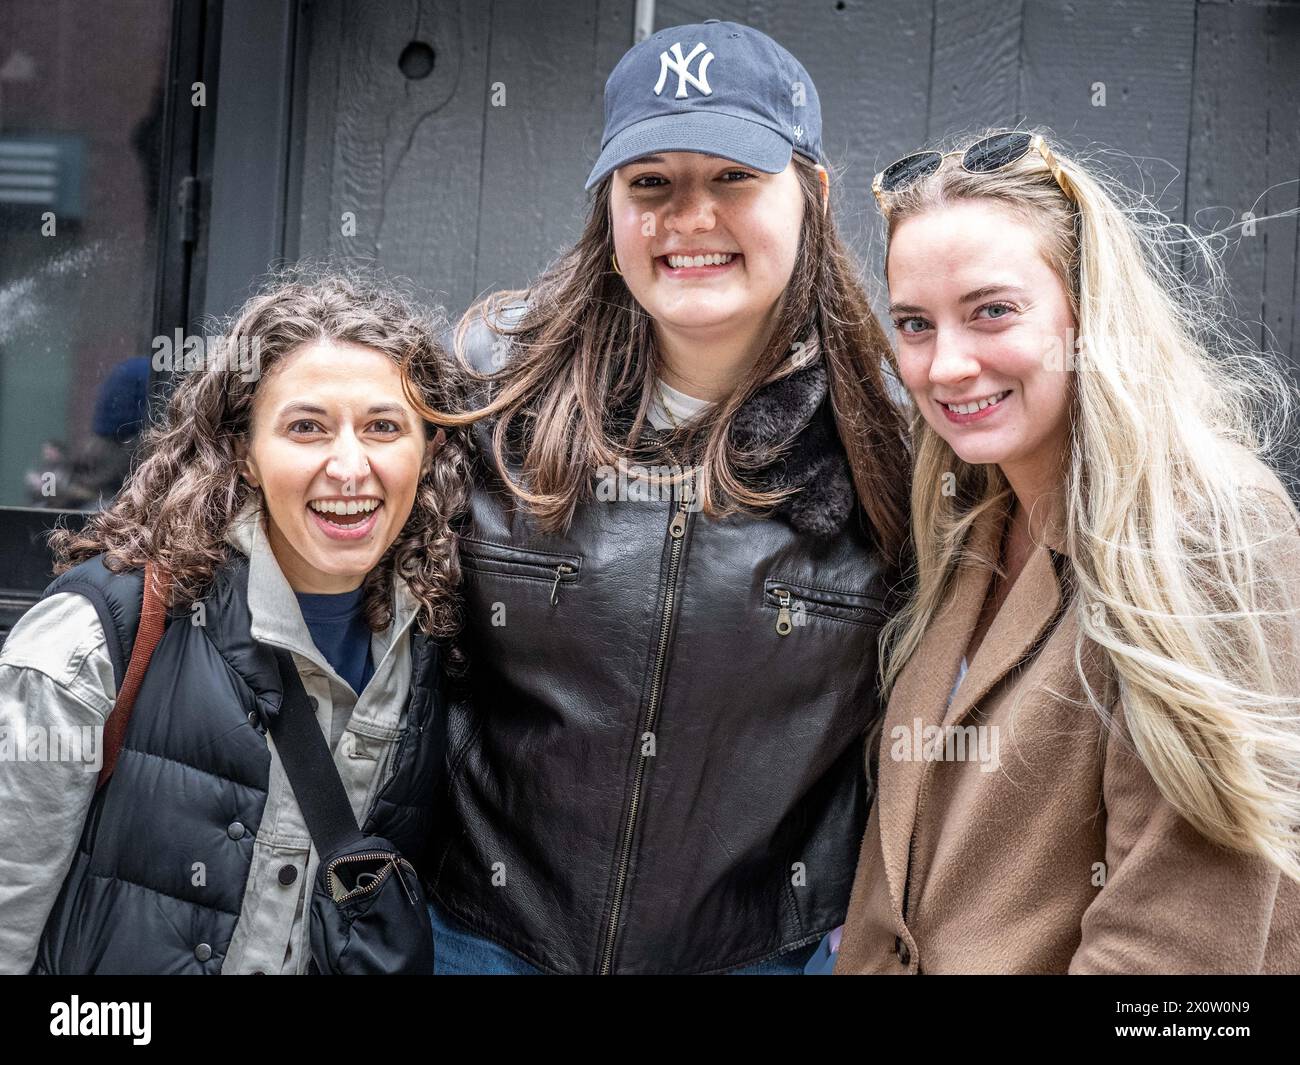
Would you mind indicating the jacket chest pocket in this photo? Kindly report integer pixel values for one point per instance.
(794, 604)
(550, 572)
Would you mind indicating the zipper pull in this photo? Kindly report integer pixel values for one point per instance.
(560, 571)
(678, 527)
(401, 876)
(784, 623)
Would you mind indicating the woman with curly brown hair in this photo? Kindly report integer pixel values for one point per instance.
(305, 508)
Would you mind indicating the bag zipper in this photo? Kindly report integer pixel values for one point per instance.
(393, 861)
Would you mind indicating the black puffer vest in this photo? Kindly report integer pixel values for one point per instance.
(194, 763)
(656, 765)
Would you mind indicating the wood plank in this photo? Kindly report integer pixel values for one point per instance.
(540, 146)
(1228, 162)
(405, 157)
(686, 12)
(1281, 235)
(870, 61)
(975, 82)
(1141, 52)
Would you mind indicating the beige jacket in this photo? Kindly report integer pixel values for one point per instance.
(1048, 849)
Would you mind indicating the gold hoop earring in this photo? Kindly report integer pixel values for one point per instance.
(614, 259)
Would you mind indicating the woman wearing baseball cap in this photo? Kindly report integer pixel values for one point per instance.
(686, 522)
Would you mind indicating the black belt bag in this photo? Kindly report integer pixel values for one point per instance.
(368, 912)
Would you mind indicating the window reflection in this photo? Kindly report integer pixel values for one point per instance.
(81, 145)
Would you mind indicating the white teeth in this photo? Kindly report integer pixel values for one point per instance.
(339, 506)
(978, 405)
(677, 262)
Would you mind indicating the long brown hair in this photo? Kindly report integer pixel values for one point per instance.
(178, 503)
(585, 352)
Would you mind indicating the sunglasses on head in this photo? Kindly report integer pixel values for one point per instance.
(985, 156)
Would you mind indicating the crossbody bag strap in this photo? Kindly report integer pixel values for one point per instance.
(309, 766)
(153, 621)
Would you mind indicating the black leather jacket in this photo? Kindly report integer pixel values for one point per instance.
(657, 763)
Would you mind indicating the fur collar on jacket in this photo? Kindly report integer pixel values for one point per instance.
(790, 428)
(788, 423)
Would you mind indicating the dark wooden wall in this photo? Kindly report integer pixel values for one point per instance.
(1202, 110)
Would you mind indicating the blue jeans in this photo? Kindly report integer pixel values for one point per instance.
(460, 951)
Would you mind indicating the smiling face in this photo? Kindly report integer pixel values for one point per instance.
(705, 245)
(984, 326)
(337, 451)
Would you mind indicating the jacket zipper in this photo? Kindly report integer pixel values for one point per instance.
(474, 553)
(676, 532)
(792, 600)
(560, 571)
(784, 620)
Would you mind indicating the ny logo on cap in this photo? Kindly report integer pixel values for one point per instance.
(681, 66)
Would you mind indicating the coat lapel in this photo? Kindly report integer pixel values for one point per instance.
(920, 696)
(1028, 610)
(918, 701)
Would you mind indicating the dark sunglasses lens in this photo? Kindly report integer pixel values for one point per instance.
(993, 153)
(914, 167)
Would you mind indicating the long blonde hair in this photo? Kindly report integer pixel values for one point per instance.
(1163, 544)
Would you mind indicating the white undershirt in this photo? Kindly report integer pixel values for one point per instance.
(668, 401)
(961, 675)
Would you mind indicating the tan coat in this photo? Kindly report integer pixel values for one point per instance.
(1061, 856)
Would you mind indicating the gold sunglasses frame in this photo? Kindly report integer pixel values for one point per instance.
(1036, 143)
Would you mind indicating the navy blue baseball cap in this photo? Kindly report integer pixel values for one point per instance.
(719, 88)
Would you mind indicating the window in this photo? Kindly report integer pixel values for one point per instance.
(81, 152)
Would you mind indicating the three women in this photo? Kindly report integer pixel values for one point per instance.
(687, 502)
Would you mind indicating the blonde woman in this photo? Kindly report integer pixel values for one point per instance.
(1090, 755)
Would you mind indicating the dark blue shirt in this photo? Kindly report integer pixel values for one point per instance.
(339, 631)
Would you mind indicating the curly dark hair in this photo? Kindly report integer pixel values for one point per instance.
(180, 499)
